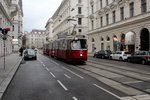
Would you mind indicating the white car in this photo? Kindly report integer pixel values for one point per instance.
(120, 55)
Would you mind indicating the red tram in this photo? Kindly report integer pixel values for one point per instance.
(71, 48)
(46, 49)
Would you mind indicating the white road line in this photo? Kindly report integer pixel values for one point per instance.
(52, 74)
(62, 85)
(43, 65)
(46, 68)
(107, 91)
(74, 98)
(73, 73)
(67, 76)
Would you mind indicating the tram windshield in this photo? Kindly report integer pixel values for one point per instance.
(79, 44)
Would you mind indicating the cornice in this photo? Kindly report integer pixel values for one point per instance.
(130, 21)
(5, 13)
(112, 6)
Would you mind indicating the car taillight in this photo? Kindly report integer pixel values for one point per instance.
(148, 57)
(124, 55)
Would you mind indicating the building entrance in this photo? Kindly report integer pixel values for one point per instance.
(144, 40)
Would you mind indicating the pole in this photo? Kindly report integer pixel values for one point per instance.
(4, 55)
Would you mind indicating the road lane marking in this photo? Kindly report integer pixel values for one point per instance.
(107, 91)
(46, 68)
(74, 98)
(43, 65)
(67, 76)
(52, 74)
(73, 73)
(62, 85)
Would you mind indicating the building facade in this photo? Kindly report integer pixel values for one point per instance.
(70, 18)
(49, 30)
(17, 20)
(8, 12)
(119, 25)
(36, 39)
(5, 22)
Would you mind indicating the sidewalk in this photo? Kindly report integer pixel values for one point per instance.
(12, 64)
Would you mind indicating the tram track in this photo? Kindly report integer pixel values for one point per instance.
(124, 70)
(121, 72)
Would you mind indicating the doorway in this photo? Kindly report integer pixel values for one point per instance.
(144, 40)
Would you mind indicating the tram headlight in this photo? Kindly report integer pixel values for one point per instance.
(81, 54)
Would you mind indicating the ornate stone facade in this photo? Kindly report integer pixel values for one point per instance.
(70, 18)
(8, 12)
(113, 21)
(36, 39)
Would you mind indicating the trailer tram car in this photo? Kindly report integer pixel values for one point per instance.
(46, 49)
(71, 48)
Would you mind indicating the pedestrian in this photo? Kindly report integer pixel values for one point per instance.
(94, 52)
(21, 51)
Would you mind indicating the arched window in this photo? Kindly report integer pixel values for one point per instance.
(108, 38)
(102, 39)
(93, 40)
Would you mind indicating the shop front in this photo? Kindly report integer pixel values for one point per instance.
(130, 41)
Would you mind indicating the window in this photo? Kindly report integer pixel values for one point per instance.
(79, 10)
(92, 22)
(101, 4)
(78, 44)
(101, 21)
(79, 21)
(122, 13)
(106, 2)
(132, 9)
(79, 1)
(107, 19)
(80, 30)
(102, 39)
(143, 6)
(13, 28)
(114, 16)
(92, 7)
(108, 39)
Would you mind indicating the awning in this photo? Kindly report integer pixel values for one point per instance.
(130, 38)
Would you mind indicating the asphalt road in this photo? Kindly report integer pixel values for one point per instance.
(49, 79)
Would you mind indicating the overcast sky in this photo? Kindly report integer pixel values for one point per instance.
(37, 13)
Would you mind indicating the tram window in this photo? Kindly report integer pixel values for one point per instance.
(76, 45)
(79, 44)
(83, 44)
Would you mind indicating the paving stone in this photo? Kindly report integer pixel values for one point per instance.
(124, 79)
(140, 85)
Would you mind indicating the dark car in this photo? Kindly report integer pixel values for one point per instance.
(103, 54)
(30, 54)
(142, 57)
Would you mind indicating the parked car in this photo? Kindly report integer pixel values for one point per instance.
(30, 54)
(142, 57)
(103, 54)
(120, 55)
